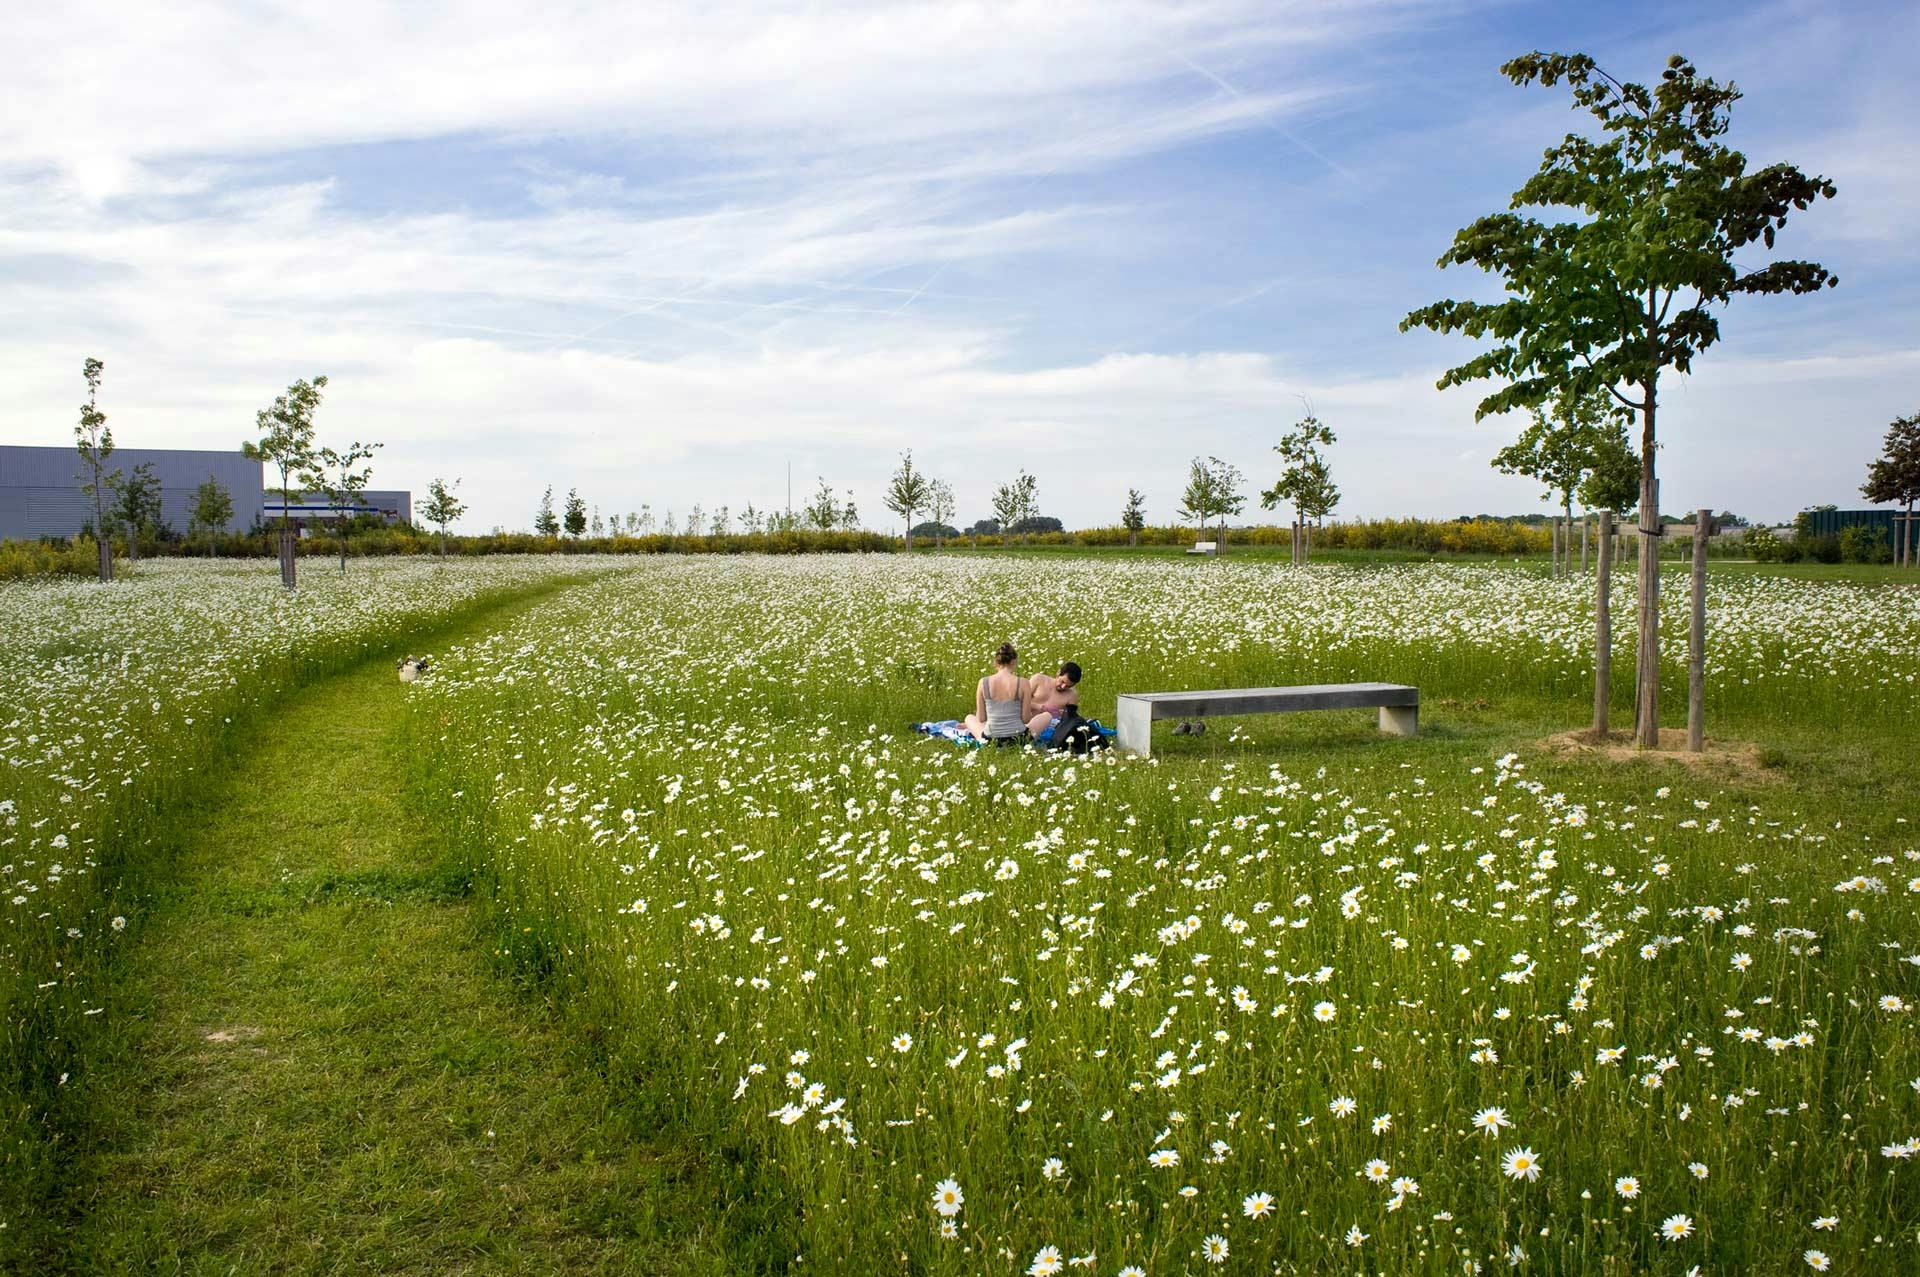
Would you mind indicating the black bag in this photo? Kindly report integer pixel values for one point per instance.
(1074, 734)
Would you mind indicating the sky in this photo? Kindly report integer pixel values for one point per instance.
(670, 255)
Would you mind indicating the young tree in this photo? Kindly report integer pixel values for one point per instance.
(139, 506)
(212, 510)
(1561, 449)
(442, 509)
(696, 521)
(1626, 287)
(1213, 492)
(93, 439)
(722, 522)
(850, 514)
(940, 509)
(750, 520)
(1316, 498)
(1026, 491)
(909, 490)
(576, 520)
(1006, 507)
(599, 526)
(1895, 478)
(669, 526)
(823, 512)
(1133, 516)
(646, 518)
(286, 444)
(1306, 481)
(341, 478)
(545, 521)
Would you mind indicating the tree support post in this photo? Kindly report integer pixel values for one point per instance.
(287, 577)
(1646, 695)
(1697, 638)
(1603, 629)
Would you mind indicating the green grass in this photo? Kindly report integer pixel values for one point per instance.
(315, 1069)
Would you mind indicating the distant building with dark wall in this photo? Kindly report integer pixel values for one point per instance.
(40, 491)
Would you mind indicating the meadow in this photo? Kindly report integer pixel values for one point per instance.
(111, 698)
(1286, 995)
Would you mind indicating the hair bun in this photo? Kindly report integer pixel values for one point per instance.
(1006, 655)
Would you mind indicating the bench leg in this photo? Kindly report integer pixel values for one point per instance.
(1133, 732)
(1400, 720)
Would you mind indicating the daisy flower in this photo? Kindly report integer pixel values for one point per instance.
(1162, 1158)
(1214, 1248)
(1675, 1227)
(1342, 1106)
(1817, 1260)
(1046, 1262)
(1521, 1163)
(1257, 1205)
(1627, 1186)
(1491, 1120)
(947, 1198)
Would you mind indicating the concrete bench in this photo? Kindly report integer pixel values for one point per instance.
(1205, 547)
(1135, 713)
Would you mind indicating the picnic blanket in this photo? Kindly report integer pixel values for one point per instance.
(949, 729)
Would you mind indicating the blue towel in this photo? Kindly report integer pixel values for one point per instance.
(949, 729)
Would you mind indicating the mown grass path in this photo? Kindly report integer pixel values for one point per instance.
(322, 1073)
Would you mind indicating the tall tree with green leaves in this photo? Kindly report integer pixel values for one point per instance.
(286, 444)
(211, 511)
(1133, 515)
(93, 439)
(139, 506)
(340, 478)
(1625, 286)
(545, 521)
(576, 520)
(1895, 479)
(909, 490)
(442, 509)
(1306, 480)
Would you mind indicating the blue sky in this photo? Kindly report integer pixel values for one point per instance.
(663, 256)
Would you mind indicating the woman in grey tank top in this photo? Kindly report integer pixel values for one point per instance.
(1000, 700)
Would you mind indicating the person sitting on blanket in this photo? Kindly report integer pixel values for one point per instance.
(1048, 696)
(1000, 709)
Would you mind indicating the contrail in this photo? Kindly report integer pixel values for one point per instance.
(1261, 119)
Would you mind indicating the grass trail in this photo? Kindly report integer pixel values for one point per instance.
(323, 1074)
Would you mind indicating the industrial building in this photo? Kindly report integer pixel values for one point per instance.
(40, 491)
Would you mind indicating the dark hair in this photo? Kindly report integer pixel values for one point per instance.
(1071, 670)
(1005, 655)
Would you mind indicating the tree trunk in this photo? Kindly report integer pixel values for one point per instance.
(1133, 538)
(288, 574)
(1603, 629)
(133, 544)
(1647, 643)
(1586, 535)
(1697, 639)
(106, 556)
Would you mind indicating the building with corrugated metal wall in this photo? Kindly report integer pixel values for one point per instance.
(40, 494)
(1822, 523)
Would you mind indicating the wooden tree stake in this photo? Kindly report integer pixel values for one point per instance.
(1697, 639)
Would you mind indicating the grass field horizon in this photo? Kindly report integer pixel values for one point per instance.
(1290, 993)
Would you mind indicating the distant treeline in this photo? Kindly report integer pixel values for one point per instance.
(1505, 537)
(79, 556)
